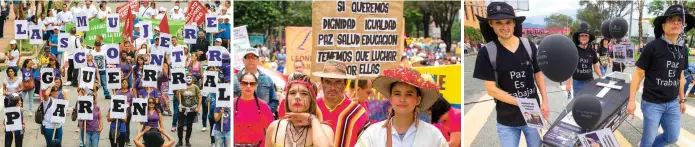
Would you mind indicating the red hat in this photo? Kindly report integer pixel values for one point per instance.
(424, 82)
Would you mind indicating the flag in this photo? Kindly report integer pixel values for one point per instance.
(164, 26)
(129, 22)
(196, 14)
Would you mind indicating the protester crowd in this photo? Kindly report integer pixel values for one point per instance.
(185, 106)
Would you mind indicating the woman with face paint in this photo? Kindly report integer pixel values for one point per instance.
(409, 92)
(189, 99)
(251, 115)
(301, 121)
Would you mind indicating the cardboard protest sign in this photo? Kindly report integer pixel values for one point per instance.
(214, 55)
(238, 56)
(298, 49)
(177, 79)
(35, 34)
(623, 52)
(149, 78)
(164, 41)
(84, 107)
(196, 13)
(177, 57)
(190, 34)
(447, 78)
(366, 35)
(118, 106)
(145, 29)
(240, 38)
(210, 82)
(57, 110)
(603, 138)
(81, 22)
(112, 53)
(80, 58)
(13, 119)
(63, 44)
(21, 28)
(531, 112)
(224, 94)
(47, 77)
(112, 23)
(211, 23)
(139, 110)
(113, 78)
(87, 77)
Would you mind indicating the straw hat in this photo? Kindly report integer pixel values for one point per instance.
(424, 82)
(334, 69)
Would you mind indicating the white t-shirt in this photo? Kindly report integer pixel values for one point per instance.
(12, 86)
(178, 16)
(140, 40)
(150, 12)
(99, 59)
(15, 54)
(90, 11)
(76, 11)
(47, 116)
(160, 16)
(64, 17)
(141, 11)
(52, 21)
(73, 44)
(102, 14)
(181, 10)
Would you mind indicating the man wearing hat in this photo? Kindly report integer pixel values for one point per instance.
(661, 65)
(177, 15)
(512, 75)
(346, 117)
(588, 61)
(265, 88)
(155, 35)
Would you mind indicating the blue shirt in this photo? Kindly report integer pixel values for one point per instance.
(54, 40)
(121, 126)
(213, 104)
(224, 120)
(226, 34)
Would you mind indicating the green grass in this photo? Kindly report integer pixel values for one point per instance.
(26, 47)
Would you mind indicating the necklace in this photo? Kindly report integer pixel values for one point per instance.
(301, 134)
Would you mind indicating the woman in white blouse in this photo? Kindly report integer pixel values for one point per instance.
(11, 83)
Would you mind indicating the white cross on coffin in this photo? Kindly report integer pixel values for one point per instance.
(607, 87)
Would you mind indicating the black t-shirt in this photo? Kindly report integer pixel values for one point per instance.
(515, 73)
(585, 68)
(602, 51)
(663, 64)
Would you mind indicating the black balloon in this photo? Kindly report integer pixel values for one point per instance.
(557, 57)
(604, 29)
(618, 27)
(586, 111)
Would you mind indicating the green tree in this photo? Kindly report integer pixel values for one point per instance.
(557, 20)
(656, 7)
(413, 18)
(443, 14)
(472, 34)
(456, 30)
(258, 16)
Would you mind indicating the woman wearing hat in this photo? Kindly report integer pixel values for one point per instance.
(409, 93)
(301, 121)
(661, 66)
(13, 55)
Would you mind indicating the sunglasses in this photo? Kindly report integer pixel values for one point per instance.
(248, 83)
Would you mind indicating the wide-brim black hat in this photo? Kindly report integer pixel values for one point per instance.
(499, 11)
(583, 28)
(674, 10)
(601, 42)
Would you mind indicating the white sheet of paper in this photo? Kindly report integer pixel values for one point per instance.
(17, 122)
(181, 62)
(38, 39)
(64, 47)
(58, 118)
(209, 87)
(177, 86)
(139, 117)
(227, 94)
(124, 106)
(91, 75)
(214, 48)
(116, 84)
(603, 138)
(109, 18)
(531, 111)
(146, 82)
(24, 29)
(112, 60)
(85, 115)
(46, 81)
(187, 39)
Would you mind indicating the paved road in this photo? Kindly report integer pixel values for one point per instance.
(480, 116)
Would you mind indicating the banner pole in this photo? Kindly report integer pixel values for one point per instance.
(115, 137)
(84, 131)
(54, 133)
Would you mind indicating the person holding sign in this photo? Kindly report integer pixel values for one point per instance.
(510, 52)
(409, 93)
(96, 79)
(137, 73)
(661, 67)
(301, 107)
(28, 83)
(163, 79)
(93, 127)
(13, 100)
(51, 131)
(117, 137)
(11, 84)
(251, 115)
(190, 100)
(129, 94)
(126, 67)
(222, 129)
(100, 61)
(153, 115)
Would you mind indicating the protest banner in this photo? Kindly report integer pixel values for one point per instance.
(139, 110)
(177, 81)
(124, 11)
(238, 57)
(87, 77)
(112, 23)
(84, 107)
(98, 27)
(177, 57)
(190, 33)
(81, 20)
(63, 44)
(214, 55)
(80, 58)
(118, 106)
(211, 23)
(112, 53)
(223, 95)
(196, 13)
(448, 78)
(57, 110)
(35, 34)
(47, 77)
(13, 119)
(21, 28)
(113, 78)
(298, 49)
(149, 78)
(366, 39)
(240, 38)
(531, 111)
(210, 82)
(602, 138)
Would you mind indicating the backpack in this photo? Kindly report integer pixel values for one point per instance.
(38, 114)
(492, 54)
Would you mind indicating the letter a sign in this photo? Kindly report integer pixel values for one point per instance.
(112, 25)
